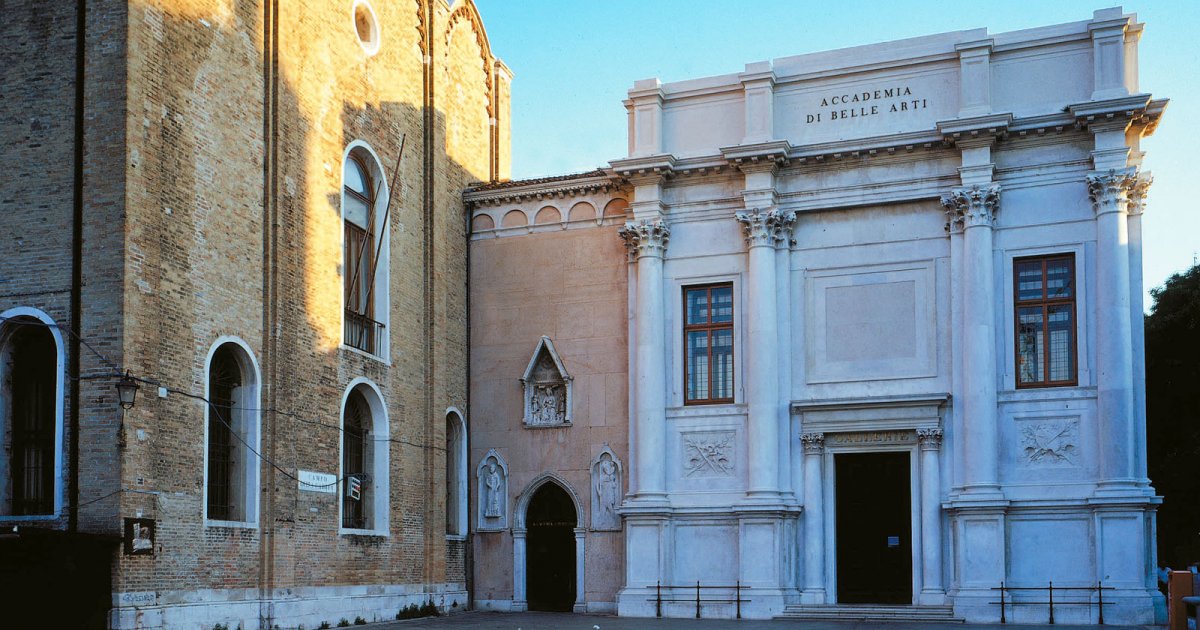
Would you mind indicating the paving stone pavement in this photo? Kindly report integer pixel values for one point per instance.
(568, 621)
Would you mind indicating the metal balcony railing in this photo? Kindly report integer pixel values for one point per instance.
(363, 333)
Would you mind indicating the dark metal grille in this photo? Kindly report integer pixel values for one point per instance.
(33, 388)
(224, 377)
(355, 438)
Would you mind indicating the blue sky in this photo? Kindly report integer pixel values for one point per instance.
(575, 59)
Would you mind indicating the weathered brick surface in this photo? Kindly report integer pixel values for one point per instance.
(178, 254)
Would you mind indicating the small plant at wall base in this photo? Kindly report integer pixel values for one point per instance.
(324, 626)
(413, 611)
(359, 621)
(344, 623)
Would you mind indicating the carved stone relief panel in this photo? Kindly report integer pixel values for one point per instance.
(547, 389)
(606, 491)
(493, 492)
(1048, 442)
(708, 453)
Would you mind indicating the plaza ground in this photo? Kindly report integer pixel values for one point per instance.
(568, 621)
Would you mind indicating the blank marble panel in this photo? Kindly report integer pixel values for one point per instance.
(643, 565)
(1122, 547)
(871, 323)
(982, 549)
(708, 553)
(1038, 554)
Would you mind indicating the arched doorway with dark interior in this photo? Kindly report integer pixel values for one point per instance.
(550, 549)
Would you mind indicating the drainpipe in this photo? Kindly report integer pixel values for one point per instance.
(76, 267)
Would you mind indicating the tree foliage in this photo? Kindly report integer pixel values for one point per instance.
(1173, 414)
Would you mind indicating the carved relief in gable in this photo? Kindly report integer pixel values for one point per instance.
(547, 389)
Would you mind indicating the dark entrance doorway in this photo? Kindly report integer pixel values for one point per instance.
(874, 528)
(550, 549)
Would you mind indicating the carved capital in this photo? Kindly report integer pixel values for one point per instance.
(971, 206)
(929, 439)
(785, 227)
(1137, 194)
(1110, 190)
(763, 227)
(645, 238)
(814, 443)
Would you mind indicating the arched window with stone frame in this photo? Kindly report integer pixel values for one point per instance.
(232, 423)
(456, 474)
(31, 428)
(364, 466)
(365, 251)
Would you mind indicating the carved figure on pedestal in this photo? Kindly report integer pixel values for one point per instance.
(606, 491)
(493, 492)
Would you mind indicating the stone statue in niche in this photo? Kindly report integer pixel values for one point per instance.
(493, 484)
(606, 491)
(547, 388)
(493, 492)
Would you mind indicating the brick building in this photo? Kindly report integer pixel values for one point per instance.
(213, 196)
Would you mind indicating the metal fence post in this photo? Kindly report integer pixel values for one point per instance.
(1051, 603)
(658, 599)
(1100, 599)
(1002, 619)
(697, 599)
(737, 596)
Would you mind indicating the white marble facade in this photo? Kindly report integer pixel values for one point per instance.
(867, 206)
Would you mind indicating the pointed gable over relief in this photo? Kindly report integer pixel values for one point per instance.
(547, 388)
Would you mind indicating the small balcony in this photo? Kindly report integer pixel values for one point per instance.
(363, 333)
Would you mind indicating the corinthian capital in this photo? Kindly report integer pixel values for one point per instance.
(814, 443)
(1137, 193)
(929, 439)
(785, 228)
(1111, 190)
(764, 226)
(970, 206)
(645, 238)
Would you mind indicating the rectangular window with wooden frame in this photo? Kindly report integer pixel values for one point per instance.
(708, 344)
(1044, 297)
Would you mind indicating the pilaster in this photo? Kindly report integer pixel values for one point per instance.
(974, 78)
(761, 378)
(1107, 29)
(645, 107)
(975, 207)
(646, 242)
(814, 518)
(933, 591)
(758, 87)
(1110, 192)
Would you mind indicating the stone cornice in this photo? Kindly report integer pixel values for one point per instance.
(662, 165)
(762, 155)
(500, 193)
(986, 128)
(1137, 109)
(873, 402)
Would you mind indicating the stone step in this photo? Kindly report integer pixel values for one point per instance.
(870, 612)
